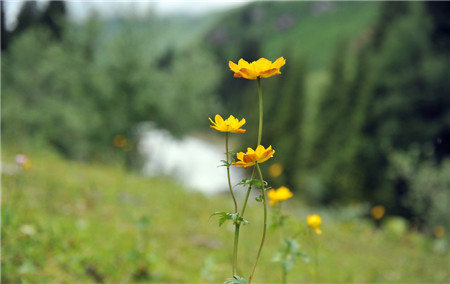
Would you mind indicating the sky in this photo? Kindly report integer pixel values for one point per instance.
(79, 10)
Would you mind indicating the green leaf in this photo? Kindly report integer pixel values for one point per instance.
(224, 164)
(235, 280)
(303, 256)
(224, 216)
(259, 198)
(252, 182)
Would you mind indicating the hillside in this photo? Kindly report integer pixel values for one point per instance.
(65, 221)
(308, 28)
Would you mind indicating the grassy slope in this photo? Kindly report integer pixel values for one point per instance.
(98, 221)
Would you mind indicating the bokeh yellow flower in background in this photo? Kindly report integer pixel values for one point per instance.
(275, 170)
(262, 68)
(314, 222)
(259, 155)
(231, 124)
(438, 231)
(377, 212)
(120, 141)
(277, 195)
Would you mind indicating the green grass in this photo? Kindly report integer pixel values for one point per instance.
(70, 222)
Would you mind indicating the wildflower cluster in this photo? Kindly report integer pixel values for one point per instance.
(252, 158)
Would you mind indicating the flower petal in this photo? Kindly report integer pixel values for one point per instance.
(280, 62)
(212, 121)
(249, 158)
(248, 73)
(243, 64)
(233, 66)
(262, 64)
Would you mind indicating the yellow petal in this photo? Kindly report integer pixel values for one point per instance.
(248, 73)
(260, 150)
(271, 193)
(219, 119)
(242, 122)
(279, 63)
(249, 158)
(243, 64)
(212, 121)
(262, 64)
(215, 128)
(233, 66)
(270, 73)
(231, 118)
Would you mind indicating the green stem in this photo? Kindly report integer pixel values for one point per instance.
(265, 224)
(260, 100)
(236, 230)
(316, 262)
(244, 206)
(228, 173)
(235, 249)
(284, 277)
(248, 194)
(316, 252)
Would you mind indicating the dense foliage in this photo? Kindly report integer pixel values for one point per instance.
(97, 81)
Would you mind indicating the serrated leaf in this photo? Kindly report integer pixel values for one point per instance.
(252, 182)
(224, 216)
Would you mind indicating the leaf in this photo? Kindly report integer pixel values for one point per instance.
(252, 182)
(224, 164)
(259, 198)
(224, 216)
(303, 256)
(235, 280)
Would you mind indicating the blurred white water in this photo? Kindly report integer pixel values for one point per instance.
(191, 161)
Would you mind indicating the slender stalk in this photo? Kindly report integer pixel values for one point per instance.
(265, 224)
(316, 252)
(244, 206)
(284, 277)
(248, 194)
(228, 172)
(236, 229)
(260, 100)
(235, 249)
(316, 261)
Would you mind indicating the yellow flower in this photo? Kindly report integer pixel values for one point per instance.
(275, 170)
(280, 194)
(260, 155)
(439, 231)
(231, 124)
(314, 222)
(120, 141)
(377, 212)
(262, 68)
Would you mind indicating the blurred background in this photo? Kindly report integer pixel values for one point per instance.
(359, 117)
